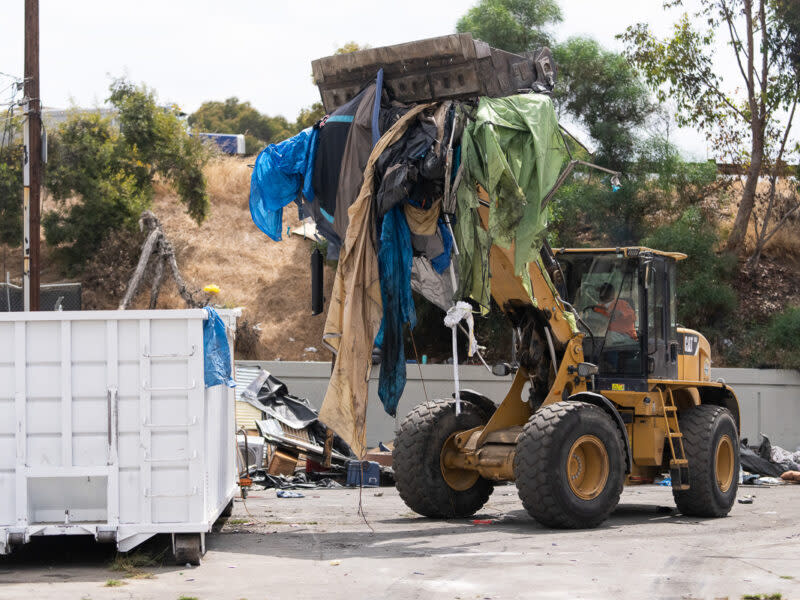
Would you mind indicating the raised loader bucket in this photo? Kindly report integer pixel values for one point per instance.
(450, 66)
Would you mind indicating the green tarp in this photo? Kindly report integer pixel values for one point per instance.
(514, 150)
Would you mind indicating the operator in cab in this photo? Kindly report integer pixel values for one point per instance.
(621, 316)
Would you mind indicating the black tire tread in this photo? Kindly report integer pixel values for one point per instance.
(535, 483)
(422, 488)
(697, 425)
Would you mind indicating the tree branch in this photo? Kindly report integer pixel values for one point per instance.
(762, 16)
(781, 222)
(737, 43)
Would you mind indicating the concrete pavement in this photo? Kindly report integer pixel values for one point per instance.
(320, 547)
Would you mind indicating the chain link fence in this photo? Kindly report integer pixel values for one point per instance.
(52, 296)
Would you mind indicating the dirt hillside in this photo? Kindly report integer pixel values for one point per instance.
(270, 280)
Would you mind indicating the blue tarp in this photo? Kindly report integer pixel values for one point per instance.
(394, 267)
(282, 171)
(441, 262)
(216, 351)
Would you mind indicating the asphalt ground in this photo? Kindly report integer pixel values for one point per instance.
(321, 547)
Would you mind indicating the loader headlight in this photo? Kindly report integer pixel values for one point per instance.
(586, 369)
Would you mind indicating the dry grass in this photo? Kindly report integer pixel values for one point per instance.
(133, 565)
(270, 280)
(786, 243)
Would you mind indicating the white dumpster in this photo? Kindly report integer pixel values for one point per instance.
(107, 428)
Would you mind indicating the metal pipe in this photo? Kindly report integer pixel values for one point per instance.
(552, 349)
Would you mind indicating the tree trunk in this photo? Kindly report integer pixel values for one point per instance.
(739, 231)
(136, 278)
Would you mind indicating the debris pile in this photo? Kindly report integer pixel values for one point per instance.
(420, 138)
(295, 450)
(767, 464)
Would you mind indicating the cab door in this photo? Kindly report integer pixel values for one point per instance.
(662, 337)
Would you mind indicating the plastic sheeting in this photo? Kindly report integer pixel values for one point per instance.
(513, 150)
(282, 171)
(270, 395)
(434, 287)
(216, 351)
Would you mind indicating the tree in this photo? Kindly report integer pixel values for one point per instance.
(749, 128)
(705, 298)
(657, 187)
(308, 116)
(233, 116)
(11, 194)
(512, 25)
(603, 92)
(789, 12)
(101, 173)
(597, 87)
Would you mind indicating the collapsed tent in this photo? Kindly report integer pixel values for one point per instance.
(394, 191)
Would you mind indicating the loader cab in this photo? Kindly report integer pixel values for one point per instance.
(625, 298)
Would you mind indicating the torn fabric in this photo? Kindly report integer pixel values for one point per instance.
(514, 151)
(355, 310)
(394, 264)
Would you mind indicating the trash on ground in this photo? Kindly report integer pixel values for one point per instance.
(746, 499)
(288, 494)
(793, 476)
(767, 460)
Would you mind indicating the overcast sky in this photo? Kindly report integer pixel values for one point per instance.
(258, 51)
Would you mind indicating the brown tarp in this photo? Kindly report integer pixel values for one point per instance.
(422, 221)
(355, 311)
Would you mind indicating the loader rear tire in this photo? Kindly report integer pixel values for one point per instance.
(711, 443)
(417, 461)
(570, 465)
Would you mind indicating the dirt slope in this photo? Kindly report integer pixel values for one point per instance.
(270, 280)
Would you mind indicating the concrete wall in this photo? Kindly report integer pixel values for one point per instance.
(769, 399)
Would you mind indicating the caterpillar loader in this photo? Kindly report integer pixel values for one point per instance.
(617, 393)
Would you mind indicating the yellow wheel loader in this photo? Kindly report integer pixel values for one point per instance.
(608, 391)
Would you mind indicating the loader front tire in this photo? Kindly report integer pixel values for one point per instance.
(570, 465)
(418, 466)
(711, 444)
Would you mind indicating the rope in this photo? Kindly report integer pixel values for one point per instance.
(455, 314)
(360, 511)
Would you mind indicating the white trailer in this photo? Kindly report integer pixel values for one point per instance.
(107, 428)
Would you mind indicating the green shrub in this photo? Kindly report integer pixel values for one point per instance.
(11, 194)
(101, 171)
(781, 335)
(705, 296)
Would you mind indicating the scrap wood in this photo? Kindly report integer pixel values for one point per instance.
(302, 446)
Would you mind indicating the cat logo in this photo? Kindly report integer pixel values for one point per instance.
(690, 344)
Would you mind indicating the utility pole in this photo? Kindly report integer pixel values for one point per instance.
(32, 173)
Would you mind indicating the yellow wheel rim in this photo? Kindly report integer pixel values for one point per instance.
(587, 467)
(725, 463)
(458, 479)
